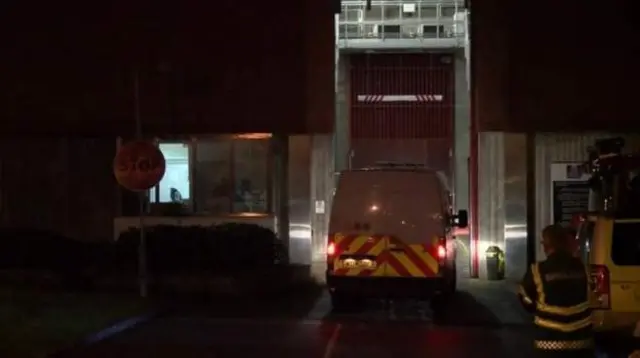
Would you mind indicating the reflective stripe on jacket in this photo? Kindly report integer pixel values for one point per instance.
(557, 292)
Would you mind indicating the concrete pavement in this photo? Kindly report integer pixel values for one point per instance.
(468, 327)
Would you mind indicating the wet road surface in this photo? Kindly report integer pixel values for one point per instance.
(467, 327)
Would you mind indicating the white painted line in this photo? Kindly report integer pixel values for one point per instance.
(117, 328)
(331, 345)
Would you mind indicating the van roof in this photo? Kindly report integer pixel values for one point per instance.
(395, 166)
(382, 165)
(395, 169)
(408, 204)
(402, 167)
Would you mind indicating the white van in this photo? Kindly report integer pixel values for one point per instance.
(390, 235)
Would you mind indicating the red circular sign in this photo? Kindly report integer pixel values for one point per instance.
(139, 165)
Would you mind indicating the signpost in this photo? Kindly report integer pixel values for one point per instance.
(139, 166)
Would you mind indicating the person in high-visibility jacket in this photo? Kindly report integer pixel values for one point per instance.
(557, 292)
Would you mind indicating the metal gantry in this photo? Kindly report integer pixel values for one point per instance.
(427, 24)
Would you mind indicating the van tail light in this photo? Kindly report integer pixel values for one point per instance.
(331, 254)
(442, 251)
(600, 286)
(331, 249)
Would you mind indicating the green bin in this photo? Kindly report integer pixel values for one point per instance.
(495, 263)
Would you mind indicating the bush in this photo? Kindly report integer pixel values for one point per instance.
(241, 246)
(223, 248)
(39, 250)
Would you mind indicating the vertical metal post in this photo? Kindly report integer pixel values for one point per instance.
(2, 201)
(473, 199)
(192, 163)
(473, 168)
(531, 197)
(280, 145)
(142, 245)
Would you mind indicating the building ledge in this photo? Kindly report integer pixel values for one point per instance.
(391, 44)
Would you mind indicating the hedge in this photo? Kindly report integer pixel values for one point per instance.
(173, 249)
(38, 249)
(170, 249)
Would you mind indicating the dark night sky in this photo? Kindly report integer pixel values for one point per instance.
(559, 64)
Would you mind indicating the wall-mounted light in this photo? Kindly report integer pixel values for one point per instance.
(252, 136)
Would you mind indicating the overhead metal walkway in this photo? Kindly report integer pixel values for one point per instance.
(390, 25)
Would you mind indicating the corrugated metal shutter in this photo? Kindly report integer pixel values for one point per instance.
(401, 108)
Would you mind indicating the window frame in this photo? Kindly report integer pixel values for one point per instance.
(614, 248)
(231, 160)
(191, 207)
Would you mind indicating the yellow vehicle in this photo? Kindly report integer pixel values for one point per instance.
(609, 237)
(611, 248)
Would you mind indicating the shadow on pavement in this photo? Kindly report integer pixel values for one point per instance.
(294, 303)
(460, 327)
(463, 309)
(615, 344)
(460, 310)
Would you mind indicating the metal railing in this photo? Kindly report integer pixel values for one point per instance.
(381, 30)
(426, 19)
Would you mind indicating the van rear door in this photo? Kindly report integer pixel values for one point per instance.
(394, 217)
(418, 203)
(624, 268)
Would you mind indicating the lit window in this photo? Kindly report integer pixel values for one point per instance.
(212, 176)
(175, 186)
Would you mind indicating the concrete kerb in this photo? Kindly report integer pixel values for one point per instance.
(106, 333)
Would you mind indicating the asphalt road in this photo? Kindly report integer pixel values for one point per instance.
(466, 328)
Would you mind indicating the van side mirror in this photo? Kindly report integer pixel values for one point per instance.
(461, 220)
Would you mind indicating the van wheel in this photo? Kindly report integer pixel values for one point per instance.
(452, 283)
(341, 302)
(438, 304)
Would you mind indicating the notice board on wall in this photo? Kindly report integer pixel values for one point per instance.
(569, 192)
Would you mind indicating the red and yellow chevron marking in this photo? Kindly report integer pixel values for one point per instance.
(415, 261)
(359, 245)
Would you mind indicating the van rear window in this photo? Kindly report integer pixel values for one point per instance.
(625, 245)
